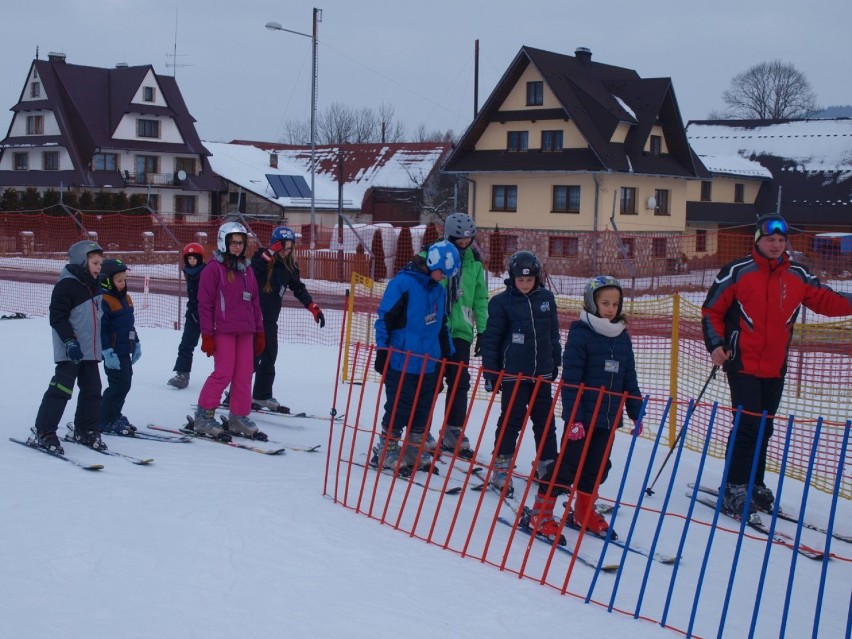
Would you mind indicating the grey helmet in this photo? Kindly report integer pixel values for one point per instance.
(596, 284)
(459, 226)
(78, 254)
(229, 228)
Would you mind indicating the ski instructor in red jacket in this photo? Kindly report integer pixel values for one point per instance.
(748, 320)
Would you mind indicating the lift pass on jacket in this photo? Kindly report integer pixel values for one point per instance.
(610, 366)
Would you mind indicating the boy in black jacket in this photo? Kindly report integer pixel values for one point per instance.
(193, 264)
(522, 340)
(75, 320)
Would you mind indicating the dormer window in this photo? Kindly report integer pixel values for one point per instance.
(149, 94)
(535, 93)
(147, 128)
(517, 141)
(656, 145)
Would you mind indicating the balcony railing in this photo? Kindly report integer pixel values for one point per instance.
(154, 179)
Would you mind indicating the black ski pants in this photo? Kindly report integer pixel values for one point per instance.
(59, 391)
(512, 417)
(116, 393)
(755, 395)
(264, 366)
(188, 342)
(410, 406)
(458, 367)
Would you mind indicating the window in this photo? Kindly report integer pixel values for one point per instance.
(628, 200)
(35, 124)
(50, 160)
(504, 198)
(658, 247)
(510, 244)
(185, 164)
(626, 249)
(186, 204)
(706, 191)
(566, 199)
(147, 128)
(21, 161)
(105, 162)
(739, 193)
(145, 165)
(148, 94)
(662, 197)
(656, 146)
(35, 89)
(535, 93)
(564, 247)
(517, 141)
(701, 241)
(551, 141)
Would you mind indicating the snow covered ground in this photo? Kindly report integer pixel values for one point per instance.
(210, 541)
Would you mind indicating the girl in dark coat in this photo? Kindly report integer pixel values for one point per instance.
(598, 353)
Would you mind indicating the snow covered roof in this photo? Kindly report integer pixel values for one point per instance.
(811, 145)
(248, 167)
(734, 165)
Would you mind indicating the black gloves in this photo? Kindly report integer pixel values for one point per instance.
(381, 360)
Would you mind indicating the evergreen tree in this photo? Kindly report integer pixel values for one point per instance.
(496, 253)
(404, 249)
(102, 201)
(31, 200)
(430, 236)
(87, 201)
(120, 201)
(380, 270)
(10, 201)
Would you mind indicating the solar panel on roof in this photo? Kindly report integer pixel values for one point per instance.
(288, 185)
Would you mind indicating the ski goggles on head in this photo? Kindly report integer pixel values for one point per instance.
(771, 227)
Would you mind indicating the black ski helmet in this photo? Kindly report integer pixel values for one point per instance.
(108, 270)
(525, 263)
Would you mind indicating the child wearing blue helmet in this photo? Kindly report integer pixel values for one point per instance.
(411, 339)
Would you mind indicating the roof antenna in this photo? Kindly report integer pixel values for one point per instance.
(174, 55)
(36, 52)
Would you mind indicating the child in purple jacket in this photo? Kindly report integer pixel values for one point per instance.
(231, 332)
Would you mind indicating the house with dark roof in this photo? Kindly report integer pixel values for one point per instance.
(809, 163)
(116, 129)
(571, 145)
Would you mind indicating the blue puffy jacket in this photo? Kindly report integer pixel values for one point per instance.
(412, 317)
(588, 359)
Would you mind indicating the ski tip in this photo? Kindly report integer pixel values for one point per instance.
(453, 491)
(93, 467)
(143, 462)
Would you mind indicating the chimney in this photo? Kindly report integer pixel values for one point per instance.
(120, 65)
(273, 160)
(583, 54)
(55, 57)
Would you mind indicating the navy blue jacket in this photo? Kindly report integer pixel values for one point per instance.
(118, 329)
(585, 362)
(192, 274)
(522, 334)
(279, 281)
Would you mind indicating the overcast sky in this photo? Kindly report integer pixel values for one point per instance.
(244, 81)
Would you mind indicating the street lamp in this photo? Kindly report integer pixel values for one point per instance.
(275, 26)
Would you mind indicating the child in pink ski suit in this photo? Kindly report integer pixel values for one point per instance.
(231, 332)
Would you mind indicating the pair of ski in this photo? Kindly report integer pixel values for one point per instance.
(30, 443)
(188, 432)
(284, 411)
(755, 524)
(405, 474)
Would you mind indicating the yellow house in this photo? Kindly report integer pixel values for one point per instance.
(565, 144)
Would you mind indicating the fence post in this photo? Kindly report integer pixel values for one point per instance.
(148, 242)
(674, 347)
(27, 242)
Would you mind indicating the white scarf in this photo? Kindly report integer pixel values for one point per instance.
(602, 326)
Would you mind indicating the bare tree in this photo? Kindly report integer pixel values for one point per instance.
(343, 124)
(422, 134)
(770, 91)
(297, 132)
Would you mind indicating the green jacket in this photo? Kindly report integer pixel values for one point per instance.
(471, 306)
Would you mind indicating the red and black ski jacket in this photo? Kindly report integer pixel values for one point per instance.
(752, 306)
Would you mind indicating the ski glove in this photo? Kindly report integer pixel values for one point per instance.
(208, 345)
(637, 428)
(137, 353)
(381, 360)
(555, 374)
(575, 431)
(477, 346)
(316, 311)
(259, 343)
(73, 350)
(111, 360)
(269, 254)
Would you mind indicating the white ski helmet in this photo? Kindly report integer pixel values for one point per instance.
(229, 228)
(443, 256)
(596, 284)
(459, 226)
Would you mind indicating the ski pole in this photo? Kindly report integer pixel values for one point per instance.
(649, 490)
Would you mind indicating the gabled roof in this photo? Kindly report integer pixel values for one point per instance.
(597, 98)
(401, 165)
(810, 160)
(89, 103)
